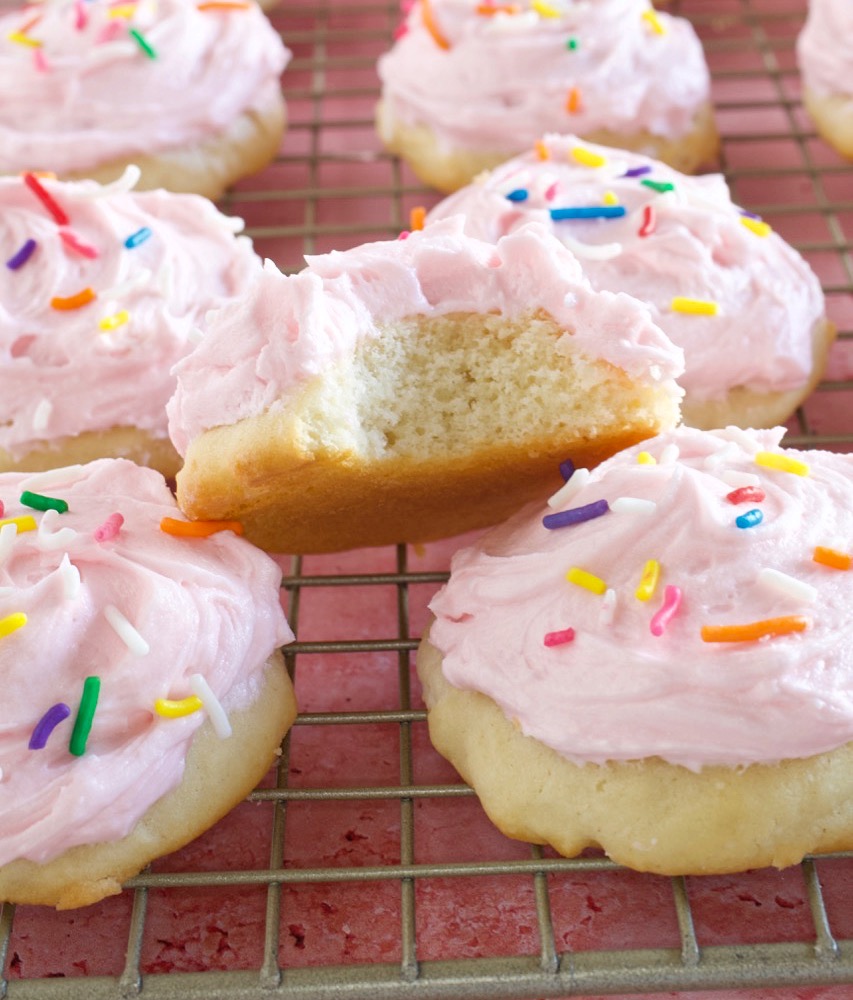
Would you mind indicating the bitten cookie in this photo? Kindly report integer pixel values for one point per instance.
(659, 663)
(189, 92)
(468, 84)
(104, 289)
(143, 693)
(825, 56)
(745, 307)
(411, 389)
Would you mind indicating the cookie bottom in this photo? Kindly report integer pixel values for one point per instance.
(248, 144)
(219, 773)
(744, 407)
(435, 427)
(449, 169)
(648, 815)
(118, 442)
(833, 118)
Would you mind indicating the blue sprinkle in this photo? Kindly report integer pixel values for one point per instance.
(140, 236)
(576, 514)
(637, 171)
(567, 469)
(22, 256)
(750, 519)
(519, 194)
(589, 212)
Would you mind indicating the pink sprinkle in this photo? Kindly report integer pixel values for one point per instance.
(108, 32)
(400, 30)
(81, 17)
(109, 529)
(40, 61)
(551, 193)
(671, 602)
(73, 242)
(649, 221)
(559, 638)
(404, 235)
(2, 509)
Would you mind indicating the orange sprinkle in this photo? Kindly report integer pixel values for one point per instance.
(417, 216)
(73, 301)
(198, 529)
(430, 25)
(573, 101)
(488, 9)
(542, 150)
(755, 630)
(831, 557)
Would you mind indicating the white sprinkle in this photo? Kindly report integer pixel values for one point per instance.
(669, 455)
(127, 182)
(136, 280)
(196, 335)
(633, 505)
(41, 415)
(579, 479)
(729, 452)
(591, 251)
(166, 280)
(787, 585)
(502, 23)
(233, 223)
(70, 578)
(125, 631)
(216, 713)
(746, 441)
(47, 538)
(608, 606)
(47, 480)
(735, 478)
(7, 540)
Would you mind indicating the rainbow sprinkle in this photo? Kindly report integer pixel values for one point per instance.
(115, 321)
(417, 217)
(26, 522)
(11, 623)
(637, 171)
(559, 638)
(581, 578)
(85, 716)
(572, 44)
(832, 558)
(429, 22)
(82, 298)
(73, 242)
(654, 22)
(20, 258)
(143, 43)
(19, 38)
(756, 226)
(573, 101)
(125, 631)
(773, 460)
(660, 186)
(216, 713)
(752, 631)
(576, 515)
(648, 581)
(177, 709)
(588, 212)
(746, 494)
(46, 725)
(649, 223)
(198, 529)
(662, 617)
(140, 236)
(694, 307)
(644, 458)
(40, 502)
(587, 158)
(109, 529)
(751, 519)
(544, 9)
(542, 151)
(46, 199)
(519, 194)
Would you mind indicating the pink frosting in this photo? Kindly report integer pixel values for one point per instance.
(61, 374)
(825, 48)
(504, 79)
(697, 247)
(618, 692)
(208, 606)
(262, 350)
(85, 92)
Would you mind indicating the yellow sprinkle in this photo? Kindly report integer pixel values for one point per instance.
(544, 9)
(696, 307)
(587, 157)
(610, 198)
(542, 150)
(586, 580)
(648, 581)
(756, 226)
(773, 460)
(116, 320)
(126, 10)
(24, 523)
(11, 623)
(19, 38)
(654, 22)
(176, 709)
(644, 458)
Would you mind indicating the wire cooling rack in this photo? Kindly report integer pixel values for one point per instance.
(362, 868)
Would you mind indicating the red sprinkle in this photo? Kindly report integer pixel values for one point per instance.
(559, 638)
(649, 221)
(746, 494)
(46, 199)
(2, 509)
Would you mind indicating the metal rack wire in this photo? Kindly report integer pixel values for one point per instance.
(365, 868)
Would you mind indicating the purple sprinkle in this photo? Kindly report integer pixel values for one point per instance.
(576, 515)
(22, 256)
(637, 171)
(46, 725)
(749, 215)
(567, 469)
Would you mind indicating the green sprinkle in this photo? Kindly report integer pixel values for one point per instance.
(39, 502)
(572, 44)
(143, 43)
(661, 186)
(85, 715)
